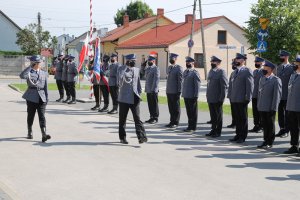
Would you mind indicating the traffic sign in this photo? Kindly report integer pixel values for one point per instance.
(190, 43)
(262, 34)
(227, 47)
(261, 46)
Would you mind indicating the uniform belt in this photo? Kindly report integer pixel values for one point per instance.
(36, 88)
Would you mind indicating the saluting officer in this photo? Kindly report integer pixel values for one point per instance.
(284, 72)
(293, 108)
(233, 116)
(72, 78)
(217, 84)
(269, 96)
(64, 78)
(257, 74)
(240, 96)
(104, 83)
(129, 98)
(173, 90)
(152, 74)
(36, 95)
(58, 76)
(112, 82)
(190, 92)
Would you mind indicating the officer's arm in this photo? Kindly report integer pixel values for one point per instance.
(139, 87)
(25, 72)
(224, 86)
(46, 87)
(197, 83)
(277, 95)
(75, 69)
(179, 79)
(249, 86)
(156, 80)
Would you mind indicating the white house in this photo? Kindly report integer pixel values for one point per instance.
(62, 41)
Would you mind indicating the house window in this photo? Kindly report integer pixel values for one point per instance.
(222, 37)
(199, 60)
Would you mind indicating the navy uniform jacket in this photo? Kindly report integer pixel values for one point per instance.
(129, 83)
(174, 79)
(284, 73)
(58, 70)
(104, 73)
(64, 76)
(257, 74)
(191, 83)
(242, 85)
(269, 94)
(72, 72)
(230, 84)
(152, 79)
(293, 100)
(217, 84)
(113, 74)
(37, 85)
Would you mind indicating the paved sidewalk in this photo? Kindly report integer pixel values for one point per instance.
(85, 161)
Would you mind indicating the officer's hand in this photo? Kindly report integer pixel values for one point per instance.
(247, 102)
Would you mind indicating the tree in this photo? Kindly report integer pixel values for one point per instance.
(135, 10)
(32, 39)
(284, 27)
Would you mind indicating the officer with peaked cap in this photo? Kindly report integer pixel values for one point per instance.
(64, 78)
(173, 90)
(190, 92)
(112, 82)
(152, 74)
(72, 78)
(269, 95)
(233, 121)
(104, 87)
(284, 72)
(58, 76)
(257, 74)
(129, 98)
(36, 95)
(293, 108)
(94, 81)
(217, 84)
(240, 95)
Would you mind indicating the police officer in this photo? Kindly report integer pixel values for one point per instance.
(72, 78)
(104, 83)
(284, 72)
(112, 82)
(242, 84)
(217, 84)
(58, 76)
(96, 86)
(36, 95)
(152, 74)
(190, 91)
(129, 98)
(233, 123)
(64, 78)
(269, 95)
(173, 90)
(293, 108)
(257, 74)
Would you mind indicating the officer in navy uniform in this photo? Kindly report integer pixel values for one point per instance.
(58, 76)
(112, 82)
(72, 78)
(94, 81)
(36, 95)
(233, 121)
(104, 83)
(293, 108)
(217, 84)
(64, 78)
(152, 74)
(129, 98)
(190, 92)
(269, 95)
(242, 85)
(284, 72)
(173, 90)
(257, 74)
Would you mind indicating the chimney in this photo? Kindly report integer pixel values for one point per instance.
(160, 12)
(146, 15)
(188, 18)
(125, 20)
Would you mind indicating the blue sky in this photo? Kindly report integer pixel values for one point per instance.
(72, 16)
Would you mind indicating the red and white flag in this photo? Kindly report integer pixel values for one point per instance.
(83, 52)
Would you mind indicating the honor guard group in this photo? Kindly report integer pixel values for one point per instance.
(270, 88)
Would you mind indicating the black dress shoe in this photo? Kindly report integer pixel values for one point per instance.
(60, 99)
(95, 107)
(168, 125)
(282, 133)
(292, 150)
(256, 129)
(231, 126)
(104, 109)
(210, 133)
(234, 139)
(153, 121)
(72, 102)
(148, 121)
(216, 135)
(123, 141)
(45, 138)
(29, 137)
(262, 146)
(142, 140)
(113, 111)
(173, 126)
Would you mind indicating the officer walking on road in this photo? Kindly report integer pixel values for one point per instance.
(36, 95)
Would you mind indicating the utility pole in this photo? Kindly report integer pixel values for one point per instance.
(203, 41)
(39, 33)
(192, 31)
